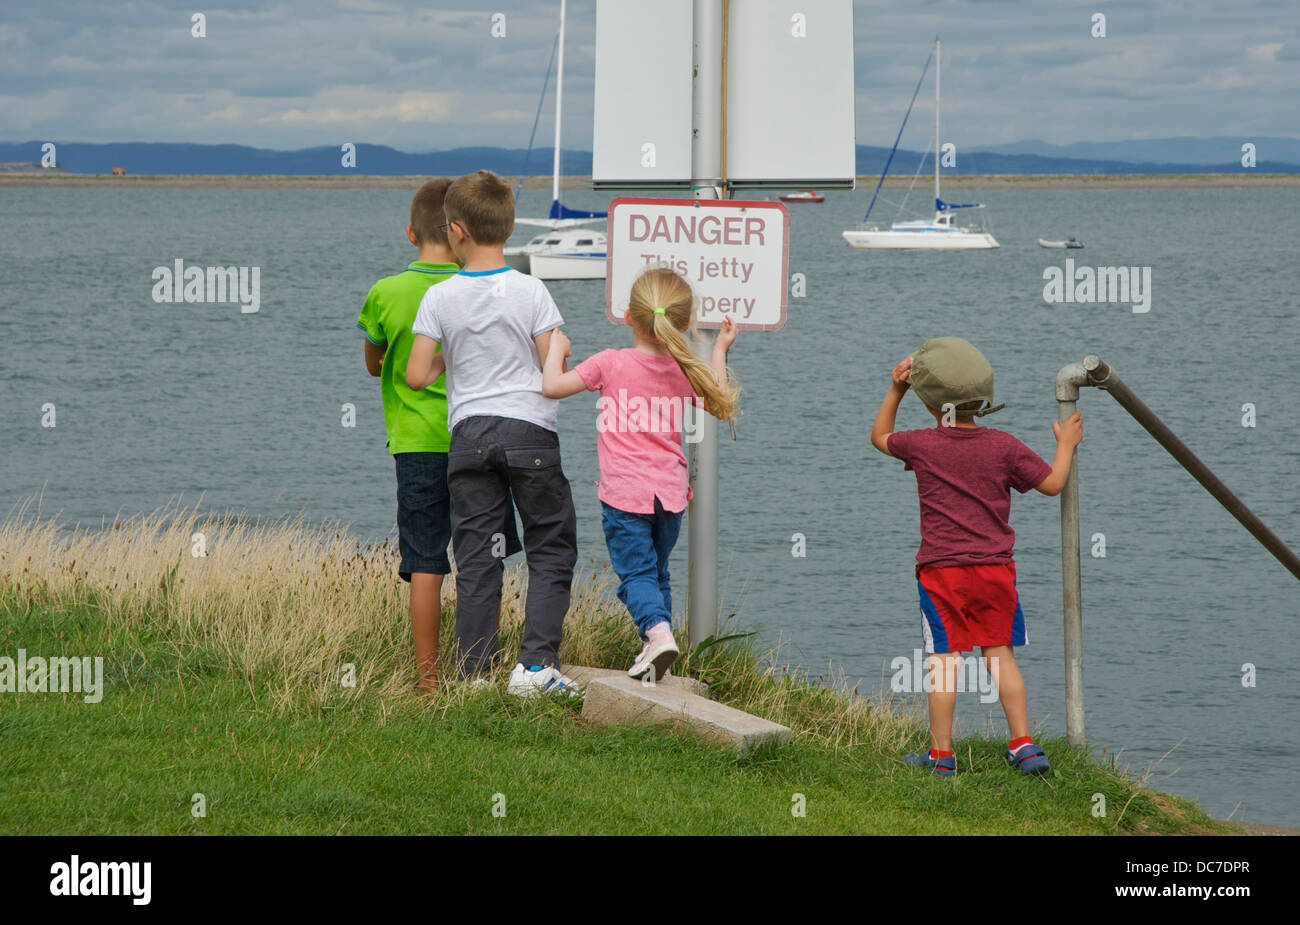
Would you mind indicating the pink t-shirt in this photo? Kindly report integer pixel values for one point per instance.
(643, 402)
(964, 476)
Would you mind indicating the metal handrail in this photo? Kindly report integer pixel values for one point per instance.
(1093, 372)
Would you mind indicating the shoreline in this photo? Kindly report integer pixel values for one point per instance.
(984, 181)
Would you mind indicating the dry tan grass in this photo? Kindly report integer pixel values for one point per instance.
(288, 604)
(278, 600)
(281, 601)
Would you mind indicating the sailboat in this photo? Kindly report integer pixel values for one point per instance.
(564, 251)
(939, 233)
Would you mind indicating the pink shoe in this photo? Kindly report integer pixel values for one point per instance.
(658, 655)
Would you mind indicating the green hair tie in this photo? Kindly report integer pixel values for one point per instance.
(661, 311)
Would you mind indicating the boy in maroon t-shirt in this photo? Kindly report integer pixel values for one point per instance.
(965, 571)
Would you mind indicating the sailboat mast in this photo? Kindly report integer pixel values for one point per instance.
(559, 97)
(936, 121)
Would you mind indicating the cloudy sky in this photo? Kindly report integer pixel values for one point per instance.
(429, 75)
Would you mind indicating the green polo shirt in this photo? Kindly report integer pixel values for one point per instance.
(416, 421)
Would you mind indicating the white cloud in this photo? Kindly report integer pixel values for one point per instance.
(417, 76)
(360, 106)
(1223, 79)
(1264, 52)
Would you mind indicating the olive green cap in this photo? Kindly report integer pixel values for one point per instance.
(950, 370)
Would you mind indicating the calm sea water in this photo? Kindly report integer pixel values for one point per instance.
(160, 401)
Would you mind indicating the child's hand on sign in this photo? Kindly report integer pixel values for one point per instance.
(727, 334)
(901, 372)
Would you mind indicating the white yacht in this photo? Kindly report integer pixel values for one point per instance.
(564, 251)
(939, 233)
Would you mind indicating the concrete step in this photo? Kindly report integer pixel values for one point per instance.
(619, 701)
(584, 676)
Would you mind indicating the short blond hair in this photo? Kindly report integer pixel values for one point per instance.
(483, 203)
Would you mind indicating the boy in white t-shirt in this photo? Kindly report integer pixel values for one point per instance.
(494, 325)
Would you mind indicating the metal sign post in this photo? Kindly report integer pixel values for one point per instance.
(706, 181)
(798, 62)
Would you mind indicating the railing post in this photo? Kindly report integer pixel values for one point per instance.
(1068, 381)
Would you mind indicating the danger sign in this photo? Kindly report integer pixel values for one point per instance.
(734, 254)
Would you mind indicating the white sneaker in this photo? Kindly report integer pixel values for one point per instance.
(549, 680)
(658, 656)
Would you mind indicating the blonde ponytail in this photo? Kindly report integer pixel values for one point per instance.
(662, 305)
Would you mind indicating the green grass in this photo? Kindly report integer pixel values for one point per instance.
(177, 719)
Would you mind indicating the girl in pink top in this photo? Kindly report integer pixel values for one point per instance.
(643, 489)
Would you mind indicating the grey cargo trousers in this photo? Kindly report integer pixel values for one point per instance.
(492, 458)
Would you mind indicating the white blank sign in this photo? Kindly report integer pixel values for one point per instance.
(790, 113)
(790, 95)
(643, 93)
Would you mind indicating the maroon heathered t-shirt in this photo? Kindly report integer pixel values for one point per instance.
(964, 476)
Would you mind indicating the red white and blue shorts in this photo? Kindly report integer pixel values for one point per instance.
(964, 606)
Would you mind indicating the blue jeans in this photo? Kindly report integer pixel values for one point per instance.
(639, 545)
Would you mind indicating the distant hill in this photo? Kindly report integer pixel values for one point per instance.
(1161, 150)
(1030, 157)
(871, 161)
(238, 160)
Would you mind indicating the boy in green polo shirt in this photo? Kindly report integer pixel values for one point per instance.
(416, 423)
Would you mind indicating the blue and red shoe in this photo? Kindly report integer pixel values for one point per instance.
(1029, 759)
(944, 767)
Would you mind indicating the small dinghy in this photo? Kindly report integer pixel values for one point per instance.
(1068, 244)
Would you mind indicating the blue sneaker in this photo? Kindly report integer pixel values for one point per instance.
(944, 767)
(1030, 760)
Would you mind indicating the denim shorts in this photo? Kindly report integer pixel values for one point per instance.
(424, 515)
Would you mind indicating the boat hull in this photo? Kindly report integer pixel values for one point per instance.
(920, 240)
(556, 266)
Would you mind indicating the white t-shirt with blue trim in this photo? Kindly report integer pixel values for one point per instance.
(486, 322)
